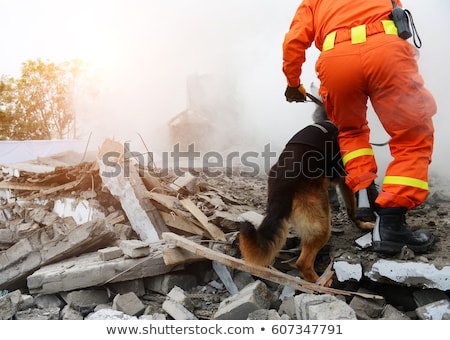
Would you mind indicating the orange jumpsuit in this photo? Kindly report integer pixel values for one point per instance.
(363, 58)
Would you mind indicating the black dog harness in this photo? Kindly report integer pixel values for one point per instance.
(323, 138)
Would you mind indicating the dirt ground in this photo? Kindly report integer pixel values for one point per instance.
(432, 215)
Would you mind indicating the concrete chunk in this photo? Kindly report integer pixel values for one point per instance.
(49, 245)
(439, 310)
(88, 270)
(322, 307)
(177, 310)
(410, 274)
(10, 304)
(84, 301)
(237, 307)
(109, 253)
(128, 303)
(134, 248)
(178, 295)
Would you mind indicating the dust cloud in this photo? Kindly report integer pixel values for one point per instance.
(146, 52)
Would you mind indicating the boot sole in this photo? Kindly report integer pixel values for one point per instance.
(388, 247)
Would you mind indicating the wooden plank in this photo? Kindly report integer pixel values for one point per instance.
(259, 271)
(181, 223)
(177, 255)
(22, 186)
(215, 232)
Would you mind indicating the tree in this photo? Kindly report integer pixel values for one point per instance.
(39, 105)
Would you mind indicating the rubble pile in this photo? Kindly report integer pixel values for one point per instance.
(112, 240)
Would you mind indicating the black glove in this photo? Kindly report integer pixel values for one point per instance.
(295, 94)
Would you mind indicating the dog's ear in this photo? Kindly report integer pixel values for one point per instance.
(319, 114)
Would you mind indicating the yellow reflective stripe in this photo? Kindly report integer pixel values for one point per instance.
(328, 44)
(389, 27)
(357, 153)
(411, 182)
(358, 34)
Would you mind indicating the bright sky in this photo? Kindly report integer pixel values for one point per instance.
(144, 51)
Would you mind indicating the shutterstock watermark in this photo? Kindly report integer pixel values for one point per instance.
(214, 163)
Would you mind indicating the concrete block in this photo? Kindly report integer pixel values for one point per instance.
(237, 307)
(86, 300)
(392, 313)
(38, 314)
(68, 313)
(7, 236)
(128, 303)
(439, 310)
(287, 307)
(109, 314)
(48, 301)
(134, 248)
(177, 311)
(346, 271)
(264, 314)
(10, 304)
(109, 253)
(367, 309)
(155, 316)
(322, 307)
(135, 286)
(178, 295)
(163, 284)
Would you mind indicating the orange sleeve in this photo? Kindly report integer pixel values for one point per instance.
(297, 40)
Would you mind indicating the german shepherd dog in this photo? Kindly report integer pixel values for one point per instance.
(298, 198)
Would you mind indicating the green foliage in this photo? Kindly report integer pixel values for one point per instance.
(40, 105)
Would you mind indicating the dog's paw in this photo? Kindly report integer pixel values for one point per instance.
(365, 225)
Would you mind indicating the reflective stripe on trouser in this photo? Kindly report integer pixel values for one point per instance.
(360, 161)
(384, 69)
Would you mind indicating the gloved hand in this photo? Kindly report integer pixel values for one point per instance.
(295, 94)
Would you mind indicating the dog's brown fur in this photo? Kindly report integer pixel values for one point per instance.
(299, 202)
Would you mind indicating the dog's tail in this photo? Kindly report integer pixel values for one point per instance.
(261, 245)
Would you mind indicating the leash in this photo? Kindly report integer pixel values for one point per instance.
(317, 101)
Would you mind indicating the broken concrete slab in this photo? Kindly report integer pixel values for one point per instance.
(88, 270)
(51, 244)
(121, 177)
(418, 274)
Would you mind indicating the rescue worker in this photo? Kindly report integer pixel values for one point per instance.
(362, 57)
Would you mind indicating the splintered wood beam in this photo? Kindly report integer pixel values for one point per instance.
(216, 233)
(22, 186)
(259, 271)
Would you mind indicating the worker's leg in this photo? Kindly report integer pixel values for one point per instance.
(404, 108)
(343, 89)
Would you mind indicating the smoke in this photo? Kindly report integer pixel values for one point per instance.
(145, 51)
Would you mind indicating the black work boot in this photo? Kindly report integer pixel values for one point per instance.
(391, 233)
(365, 203)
